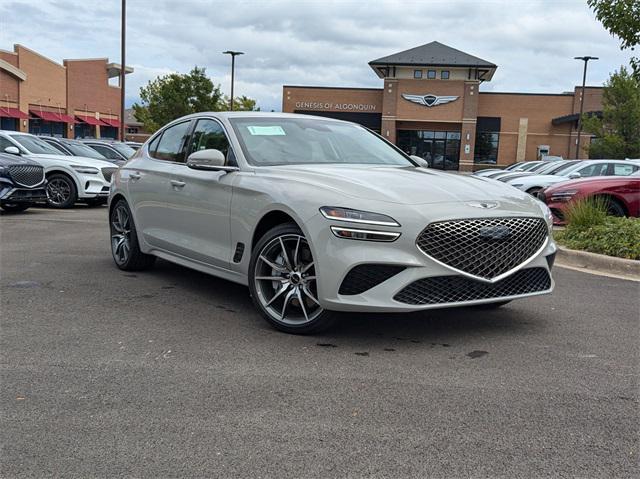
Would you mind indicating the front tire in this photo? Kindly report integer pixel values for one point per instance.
(282, 281)
(61, 191)
(124, 240)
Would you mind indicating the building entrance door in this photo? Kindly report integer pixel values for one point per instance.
(441, 149)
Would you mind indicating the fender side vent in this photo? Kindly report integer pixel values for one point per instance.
(237, 256)
(365, 276)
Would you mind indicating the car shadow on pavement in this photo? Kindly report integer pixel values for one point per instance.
(438, 325)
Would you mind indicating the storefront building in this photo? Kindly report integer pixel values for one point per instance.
(432, 105)
(75, 99)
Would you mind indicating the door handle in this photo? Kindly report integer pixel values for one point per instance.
(135, 176)
(177, 184)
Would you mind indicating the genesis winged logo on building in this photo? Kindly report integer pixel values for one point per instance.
(429, 100)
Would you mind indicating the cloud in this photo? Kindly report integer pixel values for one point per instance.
(318, 42)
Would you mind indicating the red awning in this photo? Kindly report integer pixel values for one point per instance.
(13, 113)
(67, 118)
(111, 122)
(90, 120)
(46, 115)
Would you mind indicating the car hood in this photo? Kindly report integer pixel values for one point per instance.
(402, 185)
(537, 179)
(74, 160)
(14, 160)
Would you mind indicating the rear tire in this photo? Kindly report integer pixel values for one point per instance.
(288, 301)
(124, 240)
(14, 207)
(61, 191)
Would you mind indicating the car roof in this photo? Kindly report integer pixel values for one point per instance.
(257, 114)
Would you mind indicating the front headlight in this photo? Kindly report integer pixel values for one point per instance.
(357, 216)
(87, 170)
(563, 196)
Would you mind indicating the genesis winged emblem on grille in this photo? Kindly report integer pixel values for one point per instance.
(485, 205)
(495, 233)
(429, 100)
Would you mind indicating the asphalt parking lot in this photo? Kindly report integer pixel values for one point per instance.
(171, 373)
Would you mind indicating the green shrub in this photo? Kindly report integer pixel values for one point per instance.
(586, 212)
(613, 236)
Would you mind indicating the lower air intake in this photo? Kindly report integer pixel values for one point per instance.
(457, 289)
(365, 276)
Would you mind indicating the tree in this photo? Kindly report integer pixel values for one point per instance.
(622, 19)
(171, 96)
(242, 103)
(618, 131)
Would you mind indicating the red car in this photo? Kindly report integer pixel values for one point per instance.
(622, 194)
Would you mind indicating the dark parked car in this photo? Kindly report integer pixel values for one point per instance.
(70, 147)
(111, 150)
(22, 183)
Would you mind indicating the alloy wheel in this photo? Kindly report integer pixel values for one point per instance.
(285, 280)
(120, 233)
(58, 191)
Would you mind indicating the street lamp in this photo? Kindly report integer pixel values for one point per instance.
(233, 67)
(584, 79)
(123, 72)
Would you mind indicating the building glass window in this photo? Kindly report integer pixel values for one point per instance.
(486, 150)
(417, 73)
(441, 149)
(487, 140)
(444, 75)
(431, 74)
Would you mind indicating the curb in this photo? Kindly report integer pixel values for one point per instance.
(598, 262)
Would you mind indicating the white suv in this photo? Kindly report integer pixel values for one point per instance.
(69, 178)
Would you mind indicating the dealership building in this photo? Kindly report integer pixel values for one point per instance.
(432, 104)
(73, 99)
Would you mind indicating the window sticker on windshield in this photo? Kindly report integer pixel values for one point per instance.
(266, 130)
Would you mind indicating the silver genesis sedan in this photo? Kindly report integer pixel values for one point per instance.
(317, 215)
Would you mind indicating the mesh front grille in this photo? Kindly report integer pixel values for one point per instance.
(365, 276)
(454, 289)
(107, 172)
(27, 175)
(485, 247)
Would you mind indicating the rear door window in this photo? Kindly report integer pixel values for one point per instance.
(620, 169)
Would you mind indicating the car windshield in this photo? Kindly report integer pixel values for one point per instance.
(124, 149)
(79, 149)
(35, 146)
(300, 141)
(560, 168)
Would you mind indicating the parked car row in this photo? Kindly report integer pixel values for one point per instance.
(560, 182)
(74, 171)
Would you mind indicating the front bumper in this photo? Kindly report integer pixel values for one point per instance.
(93, 186)
(22, 195)
(336, 257)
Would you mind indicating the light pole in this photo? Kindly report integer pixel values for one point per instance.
(122, 66)
(233, 67)
(584, 79)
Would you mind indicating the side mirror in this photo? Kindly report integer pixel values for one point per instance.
(421, 161)
(12, 150)
(212, 160)
(574, 175)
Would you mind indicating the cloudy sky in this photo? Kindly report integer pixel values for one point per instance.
(309, 42)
